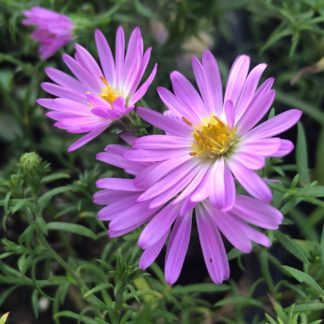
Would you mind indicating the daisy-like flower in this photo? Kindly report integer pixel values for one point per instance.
(97, 96)
(209, 140)
(172, 222)
(53, 30)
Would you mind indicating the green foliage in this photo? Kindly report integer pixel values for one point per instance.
(53, 250)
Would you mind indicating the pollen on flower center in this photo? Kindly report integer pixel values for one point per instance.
(212, 138)
(108, 93)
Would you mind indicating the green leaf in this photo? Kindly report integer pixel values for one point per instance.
(293, 247)
(35, 302)
(303, 277)
(55, 177)
(200, 288)
(308, 307)
(322, 247)
(46, 198)
(301, 157)
(79, 317)
(317, 191)
(71, 228)
(3, 318)
(97, 288)
(239, 300)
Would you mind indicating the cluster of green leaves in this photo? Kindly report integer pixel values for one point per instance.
(52, 247)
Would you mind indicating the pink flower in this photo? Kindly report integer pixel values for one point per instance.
(53, 30)
(209, 140)
(173, 221)
(97, 96)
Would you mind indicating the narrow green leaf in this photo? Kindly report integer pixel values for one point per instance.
(71, 228)
(35, 302)
(239, 300)
(79, 317)
(46, 198)
(97, 288)
(322, 247)
(317, 191)
(55, 177)
(3, 318)
(303, 277)
(301, 157)
(293, 247)
(308, 307)
(200, 288)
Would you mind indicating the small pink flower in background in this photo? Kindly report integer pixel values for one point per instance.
(53, 30)
(173, 221)
(96, 96)
(209, 140)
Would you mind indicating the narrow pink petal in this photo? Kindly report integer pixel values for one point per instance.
(87, 61)
(172, 103)
(249, 88)
(154, 155)
(107, 196)
(257, 212)
(250, 181)
(177, 248)
(236, 79)
(255, 235)
(91, 82)
(213, 80)
(203, 170)
(157, 142)
(172, 179)
(120, 55)
(65, 80)
(153, 173)
(264, 147)
(212, 247)
(229, 113)
(110, 212)
(158, 226)
(86, 139)
(275, 125)
(222, 188)
(106, 57)
(170, 126)
(188, 95)
(257, 109)
(249, 159)
(285, 148)
(173, 191)
(118, 184)
(59, 91)
(150, 254)
(230, 227)
(143, 88)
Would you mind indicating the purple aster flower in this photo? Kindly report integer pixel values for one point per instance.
(97, 96)
(172, 222)
(209, 140)
(53, 30)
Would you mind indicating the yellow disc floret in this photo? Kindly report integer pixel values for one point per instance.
(212, 138)
(108, 93)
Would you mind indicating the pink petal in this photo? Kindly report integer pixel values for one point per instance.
(158, 226)
(212, 247)
(257, 212)
(222, 188)
(177, 248)
(250, 181)
(236, 79)
(170, 126)
(106, 57)
(275, 125)
(86, 139)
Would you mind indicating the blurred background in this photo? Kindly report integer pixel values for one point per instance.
(57, 264)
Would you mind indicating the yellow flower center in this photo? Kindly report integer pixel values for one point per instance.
(212, 138)
(108, 93)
